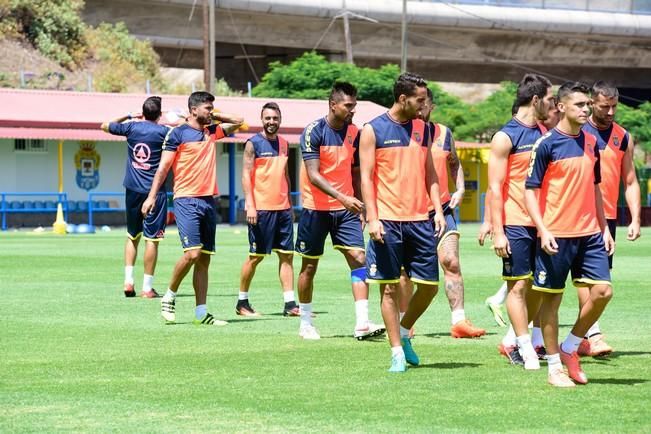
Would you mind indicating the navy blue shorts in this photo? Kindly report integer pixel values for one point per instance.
(612, 226)
(344, 227)
(585, 257)
(450, 222)
(519, 264)
(408, 245)
(196, 219)
(152, 226)
(273, 232)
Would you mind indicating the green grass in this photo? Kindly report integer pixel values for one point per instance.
(75, 355)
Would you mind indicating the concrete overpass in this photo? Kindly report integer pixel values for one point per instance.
(446, 41)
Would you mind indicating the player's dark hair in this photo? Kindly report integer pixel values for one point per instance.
(430, 94)
(570, 87)
(406, 84)
(531, 85)
(151, 108)
(341, 88)
(604, 88)
(272, 106)
(514, 107)
(198, 98)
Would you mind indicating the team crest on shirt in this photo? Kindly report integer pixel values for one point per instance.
(616, 141)
(141, 155)
(350, 139)
(373, 270)
(417, 136)
(542, 276)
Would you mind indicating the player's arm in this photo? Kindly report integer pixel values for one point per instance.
(229, 122)
(248, 160)
(313, 167)
(105, 125)
(166, 160)
(432, 184)
(486, 228)
(289, 189)
(537, 168)
(456, 172)
(367, 187)
(497, 166)
(631, 192)
(609, 242)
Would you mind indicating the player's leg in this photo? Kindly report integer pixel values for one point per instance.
(448, 254)
(421, 265)
(406, 291)
(284, 247)
(208, 230)
(383, 261)
(494, 304)
(517, 269)
(550, 304)
(134, 233)
(260, 243)
(153, 232)
(313, 227)
(594, 343)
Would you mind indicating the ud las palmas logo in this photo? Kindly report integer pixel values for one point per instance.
(87, 161)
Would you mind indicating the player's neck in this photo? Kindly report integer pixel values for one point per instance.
(194, 123)
(566, 126)
(599, 124)
(397, 114)
(526, 115)
(269, 136)
(333, 122)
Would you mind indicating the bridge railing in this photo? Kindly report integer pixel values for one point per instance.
(622, 6)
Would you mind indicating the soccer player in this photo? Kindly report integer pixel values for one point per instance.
(444, 154)
(616, 161)
(495, 302)
(270, 218)
(564, 201)
(144, 144)
(398, 181)
(331, 204)
(190, 151)
(514, 234)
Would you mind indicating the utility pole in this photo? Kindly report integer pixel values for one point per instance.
(403, 58)
(349, 44)
(206, 46)
(211, 84)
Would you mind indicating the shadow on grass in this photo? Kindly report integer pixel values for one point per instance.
(617, 354)
(321, 312)
(450, 365)
(618, 381)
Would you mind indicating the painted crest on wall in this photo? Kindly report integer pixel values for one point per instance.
(87, 162)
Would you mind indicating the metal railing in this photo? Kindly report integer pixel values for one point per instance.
(31, 207)
(620, 6)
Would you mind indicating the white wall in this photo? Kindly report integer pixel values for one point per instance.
(31, 171)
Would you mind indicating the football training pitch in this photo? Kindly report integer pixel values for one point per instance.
(75, 355)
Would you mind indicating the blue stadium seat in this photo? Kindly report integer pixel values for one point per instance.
(82, 205)
(103, 204)
(72, 206)
(39, 204)
(15, 204)
(28, 204)
(50, 204)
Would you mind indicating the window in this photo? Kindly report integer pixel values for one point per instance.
(239, 148)
(30, 145)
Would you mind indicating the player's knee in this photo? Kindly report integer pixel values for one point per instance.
(255, 260)
(192, 256)
(308, 271)
(450, 264)
(602, 292)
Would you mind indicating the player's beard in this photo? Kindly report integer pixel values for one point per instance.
(271, 129)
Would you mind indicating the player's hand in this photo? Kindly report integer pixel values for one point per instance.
(362, 218)
(455, 199)
(439, 224)
(251, 215)
(548, 243)
(633, 232)
(148, 206)
(609, 242)
(376, 230)
(352, 204)
(501, 245)
(485, 230)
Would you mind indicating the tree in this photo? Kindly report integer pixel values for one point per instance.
(485, 118)
(638, 123)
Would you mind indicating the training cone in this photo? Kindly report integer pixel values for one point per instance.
(59, 225)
